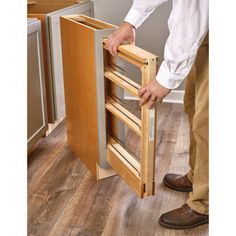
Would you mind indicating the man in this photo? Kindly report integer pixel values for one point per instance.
(186, 55)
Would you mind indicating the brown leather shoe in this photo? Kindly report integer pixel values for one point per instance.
(182, 218)
(179, 183)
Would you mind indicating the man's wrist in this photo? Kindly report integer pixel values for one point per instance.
(127, 24)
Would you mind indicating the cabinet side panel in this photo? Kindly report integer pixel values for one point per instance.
(36, 105)
(47, 69)
(56, 59)
(80, 91)
(35, 115)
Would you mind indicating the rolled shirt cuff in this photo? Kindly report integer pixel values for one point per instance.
(168, 79)
(134, 17)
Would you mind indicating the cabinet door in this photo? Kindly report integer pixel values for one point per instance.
(36, 103)
(55, 47)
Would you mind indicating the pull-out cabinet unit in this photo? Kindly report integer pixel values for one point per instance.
(95, 117)
(138, 174)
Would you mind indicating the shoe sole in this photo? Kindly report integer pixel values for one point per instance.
(203, 222)
(176, 188)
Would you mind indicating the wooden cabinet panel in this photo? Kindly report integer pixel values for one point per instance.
(84, 92)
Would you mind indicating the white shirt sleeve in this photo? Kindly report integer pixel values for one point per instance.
(140, 10)
(188, 25)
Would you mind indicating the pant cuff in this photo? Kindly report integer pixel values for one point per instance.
(198, 207)
(190, 176)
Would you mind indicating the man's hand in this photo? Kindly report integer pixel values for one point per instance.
(151, 93)
(125, 33)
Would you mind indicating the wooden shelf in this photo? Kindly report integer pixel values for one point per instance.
(125, 164)
(124, 115)
(123, 81)
(128, 160)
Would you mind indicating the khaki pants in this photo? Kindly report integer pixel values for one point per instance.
(196, 107)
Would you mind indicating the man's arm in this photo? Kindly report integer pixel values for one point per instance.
(188, 25)
(140, 11)
(137, 14)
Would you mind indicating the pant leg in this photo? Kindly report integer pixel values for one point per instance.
(198, 198)
(189, 106)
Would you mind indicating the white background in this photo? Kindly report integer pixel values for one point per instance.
(13, 152)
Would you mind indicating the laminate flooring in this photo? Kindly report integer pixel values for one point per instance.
(64, 199)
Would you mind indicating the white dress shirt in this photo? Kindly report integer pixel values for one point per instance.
(188, 25)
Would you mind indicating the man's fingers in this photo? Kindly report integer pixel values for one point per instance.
(142, 91)
(114, 48)
(108, 42)
(110, 49)
(153, 98)
(107, 45)
(150, 103)
(131, 41)
(144, 98)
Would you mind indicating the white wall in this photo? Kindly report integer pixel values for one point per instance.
(153, 32)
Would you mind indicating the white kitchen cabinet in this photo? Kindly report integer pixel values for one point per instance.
(36, 101)
(49, 12)
(56, 56)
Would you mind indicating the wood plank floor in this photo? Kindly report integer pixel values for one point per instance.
(64, 199)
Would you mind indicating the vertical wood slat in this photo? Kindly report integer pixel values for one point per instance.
(148, 136)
